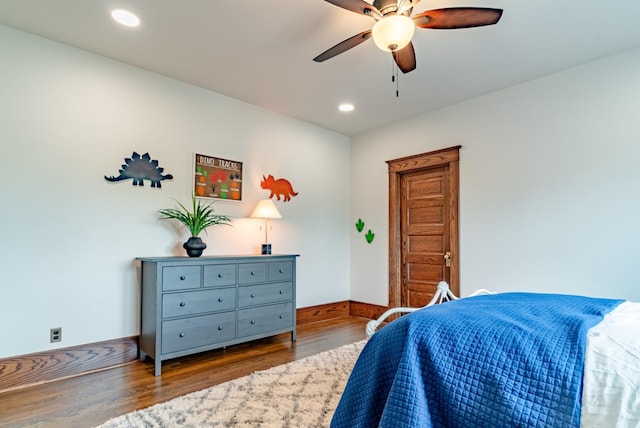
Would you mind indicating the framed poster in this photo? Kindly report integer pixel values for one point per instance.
(217, 178)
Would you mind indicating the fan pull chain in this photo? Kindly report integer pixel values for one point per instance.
(393, 70)
(395, 77)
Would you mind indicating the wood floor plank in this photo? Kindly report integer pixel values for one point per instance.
(89, 400)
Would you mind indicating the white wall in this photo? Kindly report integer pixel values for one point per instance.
(69, 238)
(549, 185)
(549, 179)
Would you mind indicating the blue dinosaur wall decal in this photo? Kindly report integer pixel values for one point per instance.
(139, 168)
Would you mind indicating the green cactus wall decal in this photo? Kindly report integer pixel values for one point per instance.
(359, 225)
(369, 236)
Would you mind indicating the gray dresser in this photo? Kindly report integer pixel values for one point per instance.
(192, 305)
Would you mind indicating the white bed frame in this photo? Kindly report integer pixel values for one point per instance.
(443, 293)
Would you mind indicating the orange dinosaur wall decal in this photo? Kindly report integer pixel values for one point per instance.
(278, 187)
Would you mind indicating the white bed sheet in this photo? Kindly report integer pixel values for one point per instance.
(611, 381)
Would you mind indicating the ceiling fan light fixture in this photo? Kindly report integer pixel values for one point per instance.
(393, 32)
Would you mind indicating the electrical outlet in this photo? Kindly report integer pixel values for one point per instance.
(56, 334)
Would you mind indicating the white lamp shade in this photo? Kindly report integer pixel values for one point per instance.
(393, 32)
(265, 209)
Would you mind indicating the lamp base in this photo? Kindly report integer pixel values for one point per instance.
(266, 248)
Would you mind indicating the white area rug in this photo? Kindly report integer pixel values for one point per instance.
(303, 393)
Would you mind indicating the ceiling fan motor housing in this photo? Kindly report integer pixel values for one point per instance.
(390, 6)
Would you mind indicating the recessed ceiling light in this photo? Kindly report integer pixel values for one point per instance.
(125, 17)
(345, 107)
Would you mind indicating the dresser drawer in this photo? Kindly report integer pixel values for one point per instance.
(180, 277)
(187, 333)
(250, 273)
(280, 271)
(254, 321)
(251, 295)
(219, 275)
(198, 302)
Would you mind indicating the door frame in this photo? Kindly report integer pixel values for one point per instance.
(397, 167)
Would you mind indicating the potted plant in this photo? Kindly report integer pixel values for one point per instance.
(197, 220)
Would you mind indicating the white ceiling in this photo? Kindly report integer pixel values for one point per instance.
(261, 51)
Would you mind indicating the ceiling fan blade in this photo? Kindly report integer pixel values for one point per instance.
(405, 58)
(343, 46)
(357, 6)
(457, 17)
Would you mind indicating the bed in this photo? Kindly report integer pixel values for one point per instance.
(499, 360)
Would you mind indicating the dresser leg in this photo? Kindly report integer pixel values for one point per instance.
(158, 367)
(293, 335)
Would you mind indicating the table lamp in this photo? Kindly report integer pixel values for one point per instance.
(266, 210)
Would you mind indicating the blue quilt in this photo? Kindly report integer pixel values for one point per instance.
(502, 360)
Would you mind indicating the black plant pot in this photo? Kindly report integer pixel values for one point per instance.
(194, 246)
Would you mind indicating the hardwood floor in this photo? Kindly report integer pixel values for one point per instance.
(89, 400)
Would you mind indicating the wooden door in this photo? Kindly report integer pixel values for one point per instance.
(424, 229)
(423, 226)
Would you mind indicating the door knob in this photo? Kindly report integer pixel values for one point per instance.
(447, 259)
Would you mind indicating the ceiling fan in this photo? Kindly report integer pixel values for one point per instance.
(394, 26)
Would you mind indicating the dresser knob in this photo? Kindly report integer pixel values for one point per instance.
(220, 275)
(220, 299)
(220, 328)
(281, 292)
(280, 271)
(253, 322)
(253, 273)
(182, 278)
(181, 334)
(183, 304)
(253, 295)
(281, 316)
